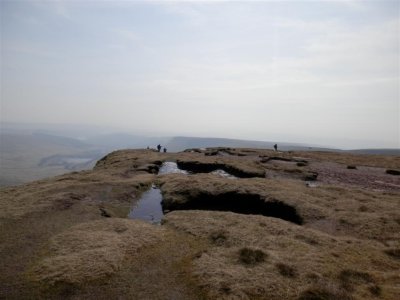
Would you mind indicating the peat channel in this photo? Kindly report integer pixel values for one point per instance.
(249, 204)
(148, 208)
(170, 167)
(151, 206)
(173, 168)
(204, 167)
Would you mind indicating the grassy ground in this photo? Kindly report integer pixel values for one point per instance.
(68, 236)
(293, 259)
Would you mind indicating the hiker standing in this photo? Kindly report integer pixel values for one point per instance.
(159, 147)
(165, 150)
(276, 147)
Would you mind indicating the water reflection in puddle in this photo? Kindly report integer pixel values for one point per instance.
(222, 173)
(148, 208)
(311, 184)
(170, 167)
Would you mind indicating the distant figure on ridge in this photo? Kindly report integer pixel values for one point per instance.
(165, 150)
(159, 147)
(276, 147)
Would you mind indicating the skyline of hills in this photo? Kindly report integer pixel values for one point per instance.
(32, 154)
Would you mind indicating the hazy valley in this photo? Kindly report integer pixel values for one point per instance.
(28, 154)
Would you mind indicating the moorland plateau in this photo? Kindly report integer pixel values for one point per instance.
(289, 225)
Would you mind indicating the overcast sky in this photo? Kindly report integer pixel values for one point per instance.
(299, 71)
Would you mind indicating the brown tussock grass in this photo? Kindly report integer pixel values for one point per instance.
(93, 250)
(57, 244)
(223, 277)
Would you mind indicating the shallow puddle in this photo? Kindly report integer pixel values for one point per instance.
(223, 173)
(311, 184)
(148, 208)
(170, 167)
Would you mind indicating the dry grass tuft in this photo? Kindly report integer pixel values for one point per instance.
(219, 237)
(375, 290)
(395, 252)
(350, 278)
(307, 250)
(363, 208)
(325, 292)
(249, 256)
(93, 250)
(307, 239)
(286, 270)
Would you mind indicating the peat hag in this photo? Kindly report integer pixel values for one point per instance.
(208, 167)
(249, 204)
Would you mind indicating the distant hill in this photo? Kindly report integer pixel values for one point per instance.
(377, 151)
(27, 155)
(115, 141)
(31, 155)
(181, 143)
(22, 156)
(37, 142)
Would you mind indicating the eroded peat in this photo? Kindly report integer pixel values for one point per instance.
(226, 238)
(249, 204)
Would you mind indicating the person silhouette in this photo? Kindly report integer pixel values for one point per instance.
(159, 147)
(165, 150)
(276, 147)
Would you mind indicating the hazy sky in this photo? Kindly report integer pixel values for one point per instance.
(322, 72)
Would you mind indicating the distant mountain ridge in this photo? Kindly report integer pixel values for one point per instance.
(35, 155)
(181, 143)
(376, 151)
